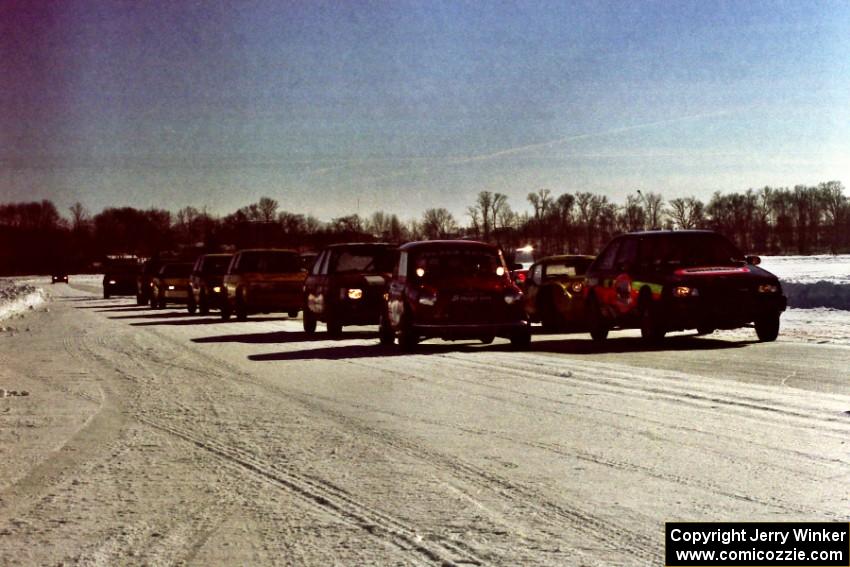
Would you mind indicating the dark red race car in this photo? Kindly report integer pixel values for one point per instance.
(452, 289)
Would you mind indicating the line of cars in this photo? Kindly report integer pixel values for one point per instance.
(655, 281)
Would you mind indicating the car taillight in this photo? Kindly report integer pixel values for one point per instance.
(685, 291)
(521, 277)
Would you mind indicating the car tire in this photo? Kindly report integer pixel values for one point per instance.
(240, 309)
(407, 338)
(385, 331)
(767, 327)
(203, 304)
(521, 339)
(225, 310)
(191, 306)
(163, 303)
(141, 300)
(705, 330)
(652, 329)
(292, 314)
(549, 316)
(334, 326)
(596, 323)
(309, 321)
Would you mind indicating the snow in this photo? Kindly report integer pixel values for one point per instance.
(18, 297)
(809, 269)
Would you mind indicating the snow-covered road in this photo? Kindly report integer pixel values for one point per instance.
(160, 438)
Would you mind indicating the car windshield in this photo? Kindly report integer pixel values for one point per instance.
(122, 267)
(569, 267)
(689, 250)
(457, 262)
(176, 270)
(215, 265)
(375, 260)
(270, 262)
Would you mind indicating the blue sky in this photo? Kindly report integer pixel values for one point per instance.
(401, 106)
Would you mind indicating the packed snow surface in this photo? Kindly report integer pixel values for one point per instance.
(809, 269)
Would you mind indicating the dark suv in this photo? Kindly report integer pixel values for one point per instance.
(119, 276)
(206, 282)
(662, 281)
(346, 285)
(452, 289)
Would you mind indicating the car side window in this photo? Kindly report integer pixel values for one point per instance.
(323, 265)
(401, 268)
(317, 265)
(627, 254)
(537, 274)
(234, 264)
(606, 259)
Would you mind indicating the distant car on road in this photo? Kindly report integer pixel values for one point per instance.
(59, 277)
(347, 285)
(263, 281)
(207, 283)
(661, 281)
(119, 276)
(171, 284)
(554, 292)
(452, 289)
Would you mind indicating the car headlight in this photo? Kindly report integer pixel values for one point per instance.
(355, 293)
(429, 299)
(685, 291)
(216, 289)
(112, 282)
(512, 297)
(500, 271)
(768, 288)
(171, 288)
(576, 287)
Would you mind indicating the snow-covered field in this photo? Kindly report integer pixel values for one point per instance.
(810, 269)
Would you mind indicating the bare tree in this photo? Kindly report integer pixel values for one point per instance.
(438, 223)
(267, 208)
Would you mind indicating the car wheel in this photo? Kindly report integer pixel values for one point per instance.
(225, 309)
(487, 340)
(240, 308)
(705, 330)
(596, 323)
(292, 314)
(521, 339)
(309, 321)
(767, 327)
(162, 302)
(141, 300)
(334, 326)
(203, 304)
(549, 317)
(385, 331)
(191, 306)
(651, 325)
(154, 302)
(407, 338)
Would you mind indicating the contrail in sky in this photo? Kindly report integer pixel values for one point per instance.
(540, 145)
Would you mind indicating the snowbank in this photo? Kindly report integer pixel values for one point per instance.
(809, 269)
(18, 297)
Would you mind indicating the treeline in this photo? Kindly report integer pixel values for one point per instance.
(36, 238)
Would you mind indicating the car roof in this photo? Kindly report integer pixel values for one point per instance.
(267, 250)
(356, 244)
(562, 257)
(666, 233)
(218, 255)
(420, 244)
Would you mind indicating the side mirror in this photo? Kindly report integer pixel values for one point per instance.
(753, 260)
